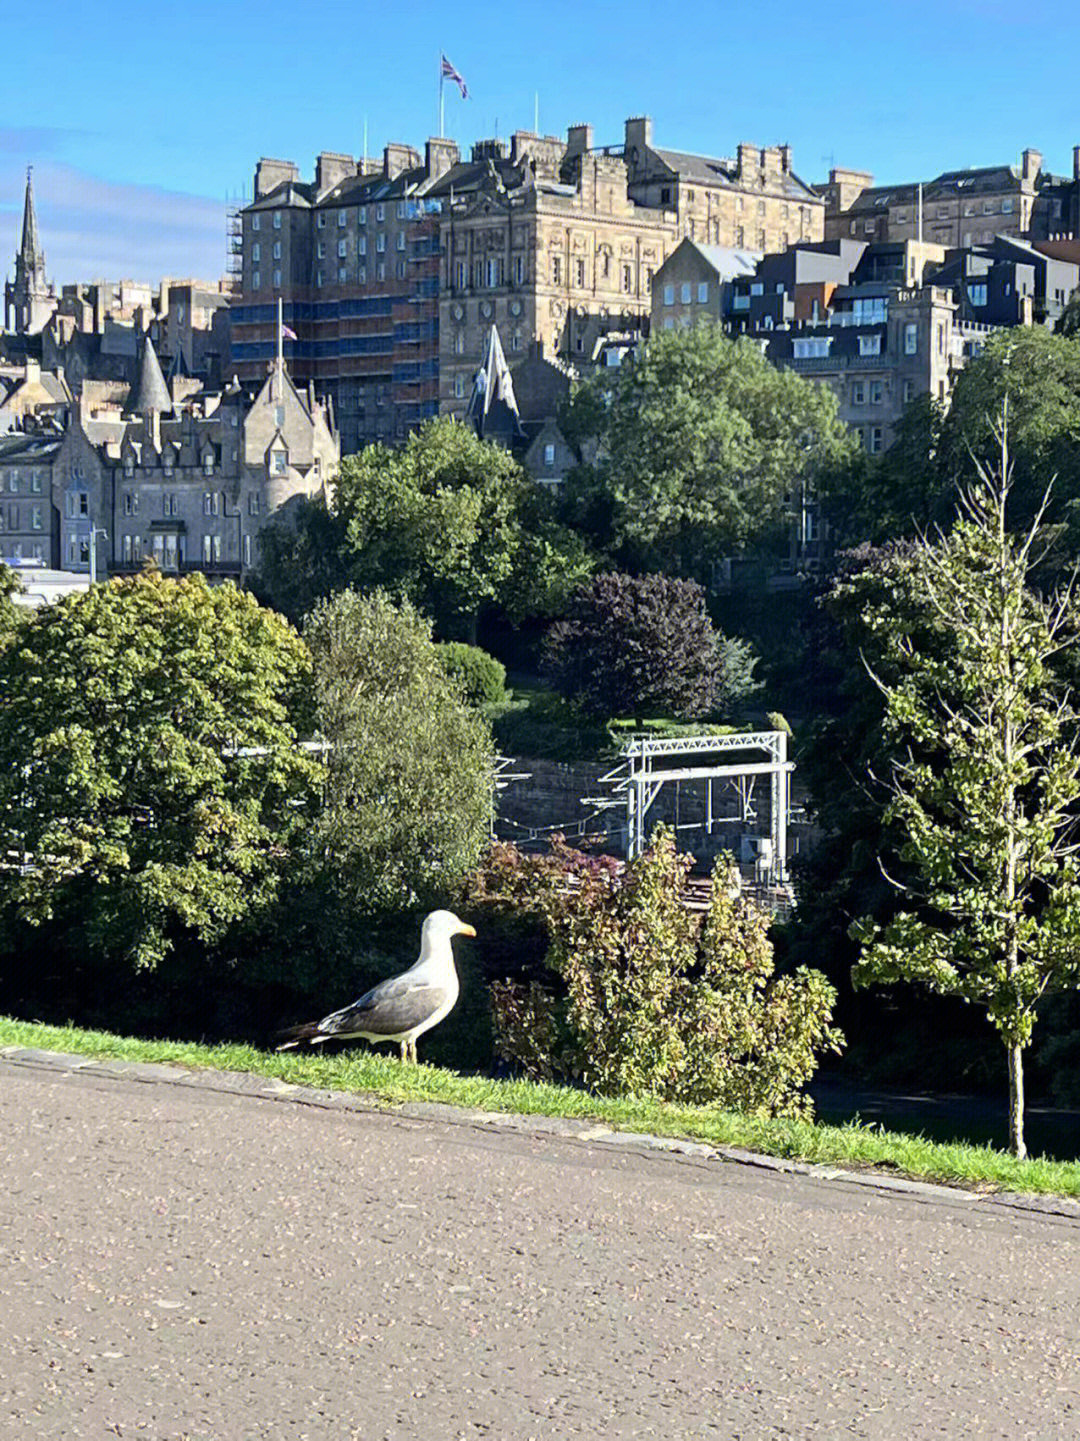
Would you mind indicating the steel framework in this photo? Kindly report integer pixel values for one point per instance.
(647, 767)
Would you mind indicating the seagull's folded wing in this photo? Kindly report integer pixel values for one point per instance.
(390, 1009)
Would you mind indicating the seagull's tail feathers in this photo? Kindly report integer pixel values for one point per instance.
(297, 1035)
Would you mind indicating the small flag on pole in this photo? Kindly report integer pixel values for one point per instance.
(287, 334)
(449, 73)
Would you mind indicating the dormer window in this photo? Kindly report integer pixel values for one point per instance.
(279, 462)
(129, 466)
(167, 459)
(208, 463)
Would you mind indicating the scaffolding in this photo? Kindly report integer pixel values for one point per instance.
(648, 765)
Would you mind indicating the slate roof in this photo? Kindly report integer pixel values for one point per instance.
(709, 170)
(149, 393)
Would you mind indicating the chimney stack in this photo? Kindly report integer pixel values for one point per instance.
(1076, 162)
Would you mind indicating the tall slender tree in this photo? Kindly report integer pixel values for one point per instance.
(986, 779)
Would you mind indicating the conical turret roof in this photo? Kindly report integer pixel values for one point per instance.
(149, 393)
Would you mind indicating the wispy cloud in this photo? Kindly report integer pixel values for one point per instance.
(96, 229)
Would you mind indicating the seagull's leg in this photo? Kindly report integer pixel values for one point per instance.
(412, 1051)
(404, 1050)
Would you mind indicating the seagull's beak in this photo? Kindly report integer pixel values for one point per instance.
(464, 930)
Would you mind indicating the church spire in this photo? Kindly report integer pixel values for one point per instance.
(30, 252)
(29, 299)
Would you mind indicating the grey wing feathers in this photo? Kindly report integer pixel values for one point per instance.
(388, 1009)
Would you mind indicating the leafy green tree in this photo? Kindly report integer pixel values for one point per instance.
(407, 799)
(640, 645)
(123, 778)
(1040, 374)
(897, 494)
(481, 677)
(694, 448)
(301, 559)
(986, 778)
(454, 524)
(1069, 320)
(642, 998)
(10, 613)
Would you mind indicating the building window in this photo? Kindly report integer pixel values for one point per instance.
(877, 439)
(254, 222)
(380, 243)
(811, 348)
(256, 280)
(247, 549)
(579, 273)
(361, 275)
(549, 455)
(320, 221)
(519, 270)
(869, 344)
(253, 503)
(461, 275)
(459, 343)
(128, 553)
(277, 249)
(277, 219)
(740, 236)
(669, 295)
(13, 482)
(401, 240)
(342, 219)
(703, 292)
(318, 277)
(208, 463)
(342, 249)
(380, 271)
(401, 270)
(858, 393)
(361, 215)
(380, 212)
(35, 482)
(627, 280)
(256, 252)
(277, 279)
(361, 245)
(279, 462)
(516, 341)
(35, 517)
(320, 250)
(877, 392)
(911, 338)
(13, 517)
(977, 293)
(761, 240)
(685, 292)
(459, 387)
(556, 270)
(131, 503)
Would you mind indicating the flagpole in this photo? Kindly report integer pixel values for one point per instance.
(442, 102)
(280, 350)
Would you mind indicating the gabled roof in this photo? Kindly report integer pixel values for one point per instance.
(493, 407)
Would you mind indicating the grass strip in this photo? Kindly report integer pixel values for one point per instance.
(852, 1145)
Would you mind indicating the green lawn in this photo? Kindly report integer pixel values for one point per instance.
(386, 1079)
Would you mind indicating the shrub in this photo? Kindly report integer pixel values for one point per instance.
(644, 998)
(645, 645)
(481, 677)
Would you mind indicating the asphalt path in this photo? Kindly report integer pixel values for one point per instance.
(178, 1262)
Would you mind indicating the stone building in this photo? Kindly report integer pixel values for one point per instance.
(29, 299)
(393, 272)
(955, 209)
(753, 202)
(694, 283)
(190, 483)
(27, 520)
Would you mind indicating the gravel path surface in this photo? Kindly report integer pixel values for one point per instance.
(182, 1262)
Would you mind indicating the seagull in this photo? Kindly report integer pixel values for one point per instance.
(403, 1007)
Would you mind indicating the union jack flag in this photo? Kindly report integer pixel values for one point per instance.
(449, 73)
(287, 334)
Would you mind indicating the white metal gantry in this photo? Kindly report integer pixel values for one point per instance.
(648, 767)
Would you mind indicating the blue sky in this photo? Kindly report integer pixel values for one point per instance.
(139, 132)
